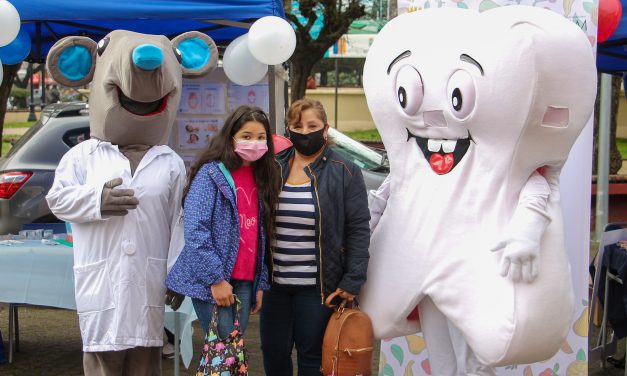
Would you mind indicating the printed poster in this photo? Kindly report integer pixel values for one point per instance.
(253, 95)
(195, 133)
(191, 99)
(213, 99)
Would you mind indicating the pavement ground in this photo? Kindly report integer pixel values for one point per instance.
(50, 344)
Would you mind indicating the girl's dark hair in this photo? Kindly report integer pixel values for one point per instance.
(265, 169)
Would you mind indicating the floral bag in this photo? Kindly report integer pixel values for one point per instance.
(224, 357)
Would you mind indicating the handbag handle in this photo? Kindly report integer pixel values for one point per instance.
(213, 325)
(335, 294)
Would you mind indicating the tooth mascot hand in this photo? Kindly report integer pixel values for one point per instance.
(478, 112)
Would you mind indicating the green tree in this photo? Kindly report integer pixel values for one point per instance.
(337, 16)
(10, 72)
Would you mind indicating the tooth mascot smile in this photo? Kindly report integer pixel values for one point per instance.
(478, 112)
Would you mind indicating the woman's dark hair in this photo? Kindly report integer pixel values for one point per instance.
(265, 169)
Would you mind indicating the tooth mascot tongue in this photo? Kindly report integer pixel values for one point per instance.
(478, 112)
(122, 188)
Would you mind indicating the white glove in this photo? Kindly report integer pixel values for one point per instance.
(377, 201)
(521, 246)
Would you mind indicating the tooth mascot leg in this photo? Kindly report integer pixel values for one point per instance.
(478, 112)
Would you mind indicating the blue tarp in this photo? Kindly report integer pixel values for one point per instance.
(95, 18)
(612, 54)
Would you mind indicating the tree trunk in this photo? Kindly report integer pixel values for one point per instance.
(615, 157)
(392, 9)
(10, 71)
(300, 72)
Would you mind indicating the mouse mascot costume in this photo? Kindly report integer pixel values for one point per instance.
(478, 112)
(122, 189)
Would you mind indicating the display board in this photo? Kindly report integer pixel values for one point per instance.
(205, 104)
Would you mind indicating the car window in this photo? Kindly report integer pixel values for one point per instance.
(25, 137)
(76, 136)
(356, 152)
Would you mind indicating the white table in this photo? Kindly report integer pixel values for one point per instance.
(39, 274)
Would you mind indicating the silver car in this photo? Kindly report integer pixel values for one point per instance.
(27, 171)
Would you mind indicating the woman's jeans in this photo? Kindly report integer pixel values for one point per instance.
(226, 315)
(292, 315)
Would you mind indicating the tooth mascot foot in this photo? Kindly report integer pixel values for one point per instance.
(478, 112)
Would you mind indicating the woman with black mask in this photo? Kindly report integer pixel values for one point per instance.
(321, 245)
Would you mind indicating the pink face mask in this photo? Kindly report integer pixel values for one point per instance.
(251, 150)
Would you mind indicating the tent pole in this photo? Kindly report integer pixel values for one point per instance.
(337, 79)
(272, 98)
(603, 156)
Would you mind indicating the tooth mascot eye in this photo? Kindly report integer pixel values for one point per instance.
(467, 229)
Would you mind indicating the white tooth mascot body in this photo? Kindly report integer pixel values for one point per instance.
(478, 112)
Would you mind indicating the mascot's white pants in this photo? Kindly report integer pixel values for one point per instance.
(449, 354)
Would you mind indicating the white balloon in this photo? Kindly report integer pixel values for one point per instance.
(271, 40)
(10, 21)
(239, 64)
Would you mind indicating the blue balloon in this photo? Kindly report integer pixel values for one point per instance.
(16, 51)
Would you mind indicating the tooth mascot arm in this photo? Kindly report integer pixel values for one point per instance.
(524, 232)
(377, 200)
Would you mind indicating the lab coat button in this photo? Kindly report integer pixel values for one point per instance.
(128, 248)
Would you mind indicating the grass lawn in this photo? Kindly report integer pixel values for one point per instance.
(621, 143)
(6, 139)
(6, 145)
(25, 124)
(372, 135)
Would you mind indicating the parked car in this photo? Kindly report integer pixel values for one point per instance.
(27, 171)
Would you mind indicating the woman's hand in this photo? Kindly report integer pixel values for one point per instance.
(345, 295)
(223, 293)
(258, 303)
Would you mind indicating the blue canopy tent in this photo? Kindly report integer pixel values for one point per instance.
(223, 20)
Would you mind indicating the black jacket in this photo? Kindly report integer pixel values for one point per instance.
(342, 217)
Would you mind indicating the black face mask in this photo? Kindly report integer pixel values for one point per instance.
(308, 144)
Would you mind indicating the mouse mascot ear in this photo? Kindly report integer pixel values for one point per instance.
(198, 52)
(72, 61)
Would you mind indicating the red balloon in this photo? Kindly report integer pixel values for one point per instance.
(280, 143)
(610, 12)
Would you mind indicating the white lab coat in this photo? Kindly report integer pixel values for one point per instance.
(120, 262)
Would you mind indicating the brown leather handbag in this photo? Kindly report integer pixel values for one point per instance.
(348, 341)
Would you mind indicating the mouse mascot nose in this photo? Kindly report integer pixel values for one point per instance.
(147, 57)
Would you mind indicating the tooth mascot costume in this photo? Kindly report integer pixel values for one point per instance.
(122, 189)
(478, 112)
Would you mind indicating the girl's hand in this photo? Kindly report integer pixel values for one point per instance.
(258, 304)
(223, 293)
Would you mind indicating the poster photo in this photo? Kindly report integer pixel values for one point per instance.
(253, 95)
(213, 99)
(191, 99)
(196, 133)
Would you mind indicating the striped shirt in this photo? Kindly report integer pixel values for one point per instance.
(295, 249)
